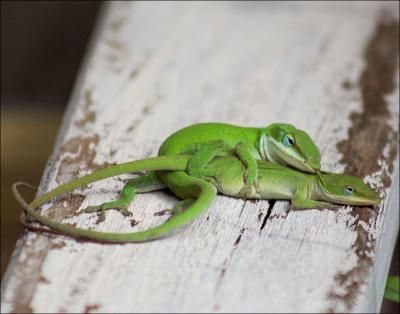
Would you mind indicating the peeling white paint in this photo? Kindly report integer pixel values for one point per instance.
(157, 67)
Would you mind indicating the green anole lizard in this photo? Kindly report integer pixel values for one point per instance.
(280, 143)
(223, 174)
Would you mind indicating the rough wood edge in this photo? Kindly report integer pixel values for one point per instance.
(21, 305)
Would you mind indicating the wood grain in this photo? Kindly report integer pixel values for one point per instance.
(152, 68)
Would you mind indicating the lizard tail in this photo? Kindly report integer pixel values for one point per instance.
(206, 193)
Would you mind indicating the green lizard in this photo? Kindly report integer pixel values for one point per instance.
(222, 174)
(280, 143)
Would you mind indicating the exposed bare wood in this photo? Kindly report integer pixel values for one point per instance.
(328, 68)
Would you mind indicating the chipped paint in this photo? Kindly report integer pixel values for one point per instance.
(75, 155)
(89, 115)
(300, 256)
(89, 308)
(370, 151)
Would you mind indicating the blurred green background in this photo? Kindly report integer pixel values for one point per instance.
(42, 45)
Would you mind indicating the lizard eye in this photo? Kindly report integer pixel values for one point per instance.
(289, 140)
(349, 190)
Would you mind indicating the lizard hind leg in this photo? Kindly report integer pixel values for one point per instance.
(250, 173)
(146, 183)
(202, 155)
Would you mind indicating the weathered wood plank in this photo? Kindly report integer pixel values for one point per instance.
(328, 68)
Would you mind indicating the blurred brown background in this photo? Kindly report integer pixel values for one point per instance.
(42, 45)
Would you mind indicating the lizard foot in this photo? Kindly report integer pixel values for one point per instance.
(101, 209)
(249, 188)
(177, 209)
(163, 212)
(245, 191)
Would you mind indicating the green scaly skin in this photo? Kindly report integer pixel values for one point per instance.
(304, 190)
(201, 189)
(280, 143)
(225, 174)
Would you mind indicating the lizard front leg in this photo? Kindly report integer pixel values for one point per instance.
(146, 183)
(250, 174)
(307, 203)
(300, 200)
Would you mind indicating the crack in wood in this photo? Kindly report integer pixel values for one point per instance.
(239, 237)
(241, 210)
(271, 204)
(226, 261)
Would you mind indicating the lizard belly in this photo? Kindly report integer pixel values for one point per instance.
(272, 186)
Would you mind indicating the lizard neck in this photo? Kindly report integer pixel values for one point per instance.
(316, 191)
(267, 149)
(263, 144)
(319, 190)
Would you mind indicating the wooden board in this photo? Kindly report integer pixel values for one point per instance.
(152, 68)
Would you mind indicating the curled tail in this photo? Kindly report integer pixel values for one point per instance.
(205, 191)
(206, 196)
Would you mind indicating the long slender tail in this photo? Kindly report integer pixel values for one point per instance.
(176, 162)
(206, 194)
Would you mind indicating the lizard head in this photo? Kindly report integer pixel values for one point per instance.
(286, 145)
(346, 190)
